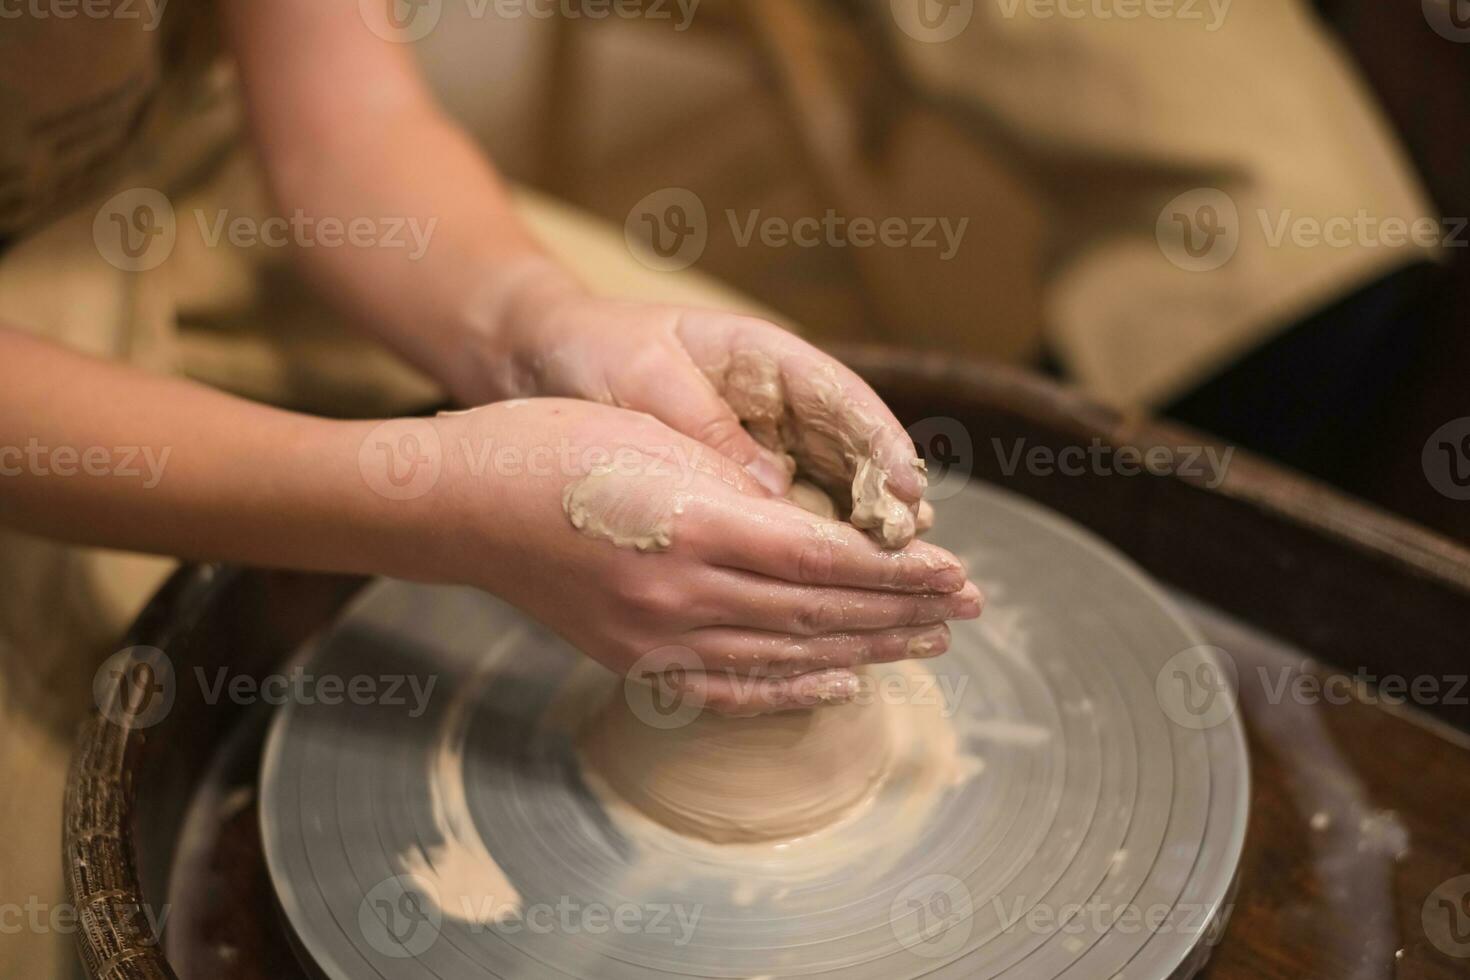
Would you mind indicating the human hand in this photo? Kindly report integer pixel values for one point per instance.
(740, 385)
(627, 537)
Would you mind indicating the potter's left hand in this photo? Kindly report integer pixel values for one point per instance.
(705, 373)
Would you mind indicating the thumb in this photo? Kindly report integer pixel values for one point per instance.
(690, 405)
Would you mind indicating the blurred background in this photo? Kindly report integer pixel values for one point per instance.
(1059, 133)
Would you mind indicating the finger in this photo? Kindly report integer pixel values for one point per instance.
(680, 395)
(779, 607)
(703, 459)
(751, 653)
(772, 538)
(727, 694)
(837, 406)
(844, 419)
(689, 403)
(861, 419)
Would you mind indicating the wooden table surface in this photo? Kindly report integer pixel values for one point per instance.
(1359, 811)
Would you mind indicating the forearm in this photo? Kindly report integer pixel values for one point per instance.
(374, 147)
(100, 454)
(442, 300)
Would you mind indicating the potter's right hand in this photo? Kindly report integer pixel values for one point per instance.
(627, 537)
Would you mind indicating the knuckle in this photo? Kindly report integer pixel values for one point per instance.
(816, 561)
(882, 648)
(897, 572)
(817, 616)
(918, 613)
(651, 598)
(788, 659)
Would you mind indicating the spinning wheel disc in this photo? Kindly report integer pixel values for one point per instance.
(448, 832)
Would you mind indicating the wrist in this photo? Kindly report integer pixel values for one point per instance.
(506, 326)
(379, 492)
(437, 499)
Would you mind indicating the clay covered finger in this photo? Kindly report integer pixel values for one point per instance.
(795, 399)
(764, 604)
(742, 652)
(686, 402)
(776, 540)
(640, 498)
(730, 695)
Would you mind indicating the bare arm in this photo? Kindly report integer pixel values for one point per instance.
(751, 587)
(96, 453)
(347, 129)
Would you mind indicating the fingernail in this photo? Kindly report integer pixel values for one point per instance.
(770, 474)
(948, 579)
(929, 644)
(828, 686)
(967, 607)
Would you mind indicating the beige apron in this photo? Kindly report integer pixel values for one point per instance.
(1188, 158)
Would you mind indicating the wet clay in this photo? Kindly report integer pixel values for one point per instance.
(639, 511)
(812, 499)
(631, 511)
(829, 437)
(821, 434)
(458, 873)
(891, 521)
(783, 776)
(742, 779)
(774, 778)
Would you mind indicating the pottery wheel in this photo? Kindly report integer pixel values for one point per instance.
(1095, 835)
